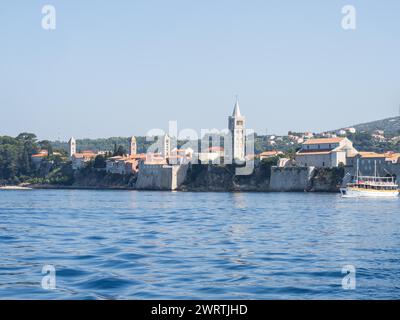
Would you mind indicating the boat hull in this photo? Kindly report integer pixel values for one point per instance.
(357, 193)
(15, 188)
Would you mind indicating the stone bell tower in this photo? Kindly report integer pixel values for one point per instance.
(72, 147)
(133, 148)
(237, 130)
(166, 146)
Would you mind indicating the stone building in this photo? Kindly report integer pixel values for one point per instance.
(133, 146)
(124, 165)
(160, 176)
(166, 146)
(180, 156)
(79, 159)
(367, 161)
(387, 164)
(210, 155)
(71, 147)
(237, 130)
(325, 152)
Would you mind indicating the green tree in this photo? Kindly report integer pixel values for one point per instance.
(46, 145)
(99, 162)
(120, 151)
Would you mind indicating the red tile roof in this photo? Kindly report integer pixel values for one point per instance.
(312, 152)
(270, 153)
(215, 149)
(39, 155)
(85, 155)
(371, 155)
(323, 140)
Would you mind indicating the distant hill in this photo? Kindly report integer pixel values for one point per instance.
(391, 126)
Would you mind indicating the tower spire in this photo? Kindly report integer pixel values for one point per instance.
(236, 109)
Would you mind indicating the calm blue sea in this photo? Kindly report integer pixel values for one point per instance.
(171, 245)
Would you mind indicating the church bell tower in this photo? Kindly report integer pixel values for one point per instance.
(133, 149)
(72, 147)
(237, 130)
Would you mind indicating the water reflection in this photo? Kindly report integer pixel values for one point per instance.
(239, 200)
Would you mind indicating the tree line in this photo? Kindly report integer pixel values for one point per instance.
(17, 166)
(15, 157)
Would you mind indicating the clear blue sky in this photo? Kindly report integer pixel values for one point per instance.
(117, 68)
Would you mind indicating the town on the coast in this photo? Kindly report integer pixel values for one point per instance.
(296, 162)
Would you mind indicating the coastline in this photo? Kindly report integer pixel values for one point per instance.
(65, 187)
(185, 190)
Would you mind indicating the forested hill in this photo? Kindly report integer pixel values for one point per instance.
(104, 144)
(391, 126)
(110, 144)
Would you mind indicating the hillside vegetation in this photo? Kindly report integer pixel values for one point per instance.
(391, 126)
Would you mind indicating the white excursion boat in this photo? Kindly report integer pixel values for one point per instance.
(14, 188)
(367, 186)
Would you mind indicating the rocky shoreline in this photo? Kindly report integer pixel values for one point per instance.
(213, 178)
